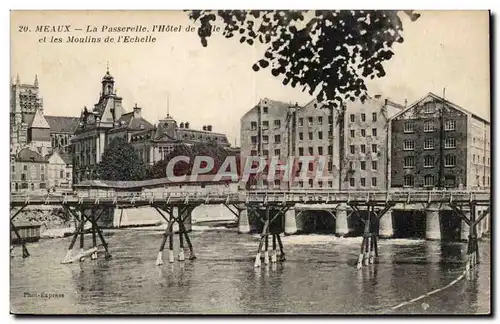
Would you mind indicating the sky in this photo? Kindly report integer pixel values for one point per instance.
(216, 84)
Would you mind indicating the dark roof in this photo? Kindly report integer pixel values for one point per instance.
(27, 155)
(28, 118)
(66, 157)
(128, 121)
(62, 124)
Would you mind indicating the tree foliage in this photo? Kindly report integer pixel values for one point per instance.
(327, 53)
(120, 162)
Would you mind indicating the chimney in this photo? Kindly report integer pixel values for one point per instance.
(204, 127)
(182, 125)
(186, 125)
(209, 128)
(137, 111)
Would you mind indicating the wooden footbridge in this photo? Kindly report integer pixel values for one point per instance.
(91, 199)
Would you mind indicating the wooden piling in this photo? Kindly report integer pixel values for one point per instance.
(280, 244)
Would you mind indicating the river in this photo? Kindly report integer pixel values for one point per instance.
(318, 277)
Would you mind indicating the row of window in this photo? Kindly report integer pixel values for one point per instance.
(362, 182)
(362, 132)
(25, 185)
(362, 165)
(410, 125)
(429, 161)
(430, 180)
(277, 182)
(409, 145)
(362, 147)
(479, 159)
(300, 121)
(352, 117)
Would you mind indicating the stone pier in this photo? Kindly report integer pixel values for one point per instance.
(386, 229)
(341, 227)
(290, 222)
(433, 227)
(243, 224)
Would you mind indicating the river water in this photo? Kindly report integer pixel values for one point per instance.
(318, 277)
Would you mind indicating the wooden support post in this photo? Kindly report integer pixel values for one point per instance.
(361, 253)
(181, 233)
(67, 258)
(266, 250)
(171, 238)
(273, 255)
(166, 234)
(192, 256)
(257, 262)
(93, 256)
(21, 240)
(82, 237)
(280, 244)
(473, 234)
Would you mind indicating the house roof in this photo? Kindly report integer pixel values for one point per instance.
(39, 120)
(62, 124)
(128, 121)
(436, 97)
(27, 155)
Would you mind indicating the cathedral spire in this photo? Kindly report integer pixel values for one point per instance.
(36, 81)
(17, 79)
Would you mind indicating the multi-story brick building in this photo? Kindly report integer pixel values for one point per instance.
(365, 141)
(437, 144)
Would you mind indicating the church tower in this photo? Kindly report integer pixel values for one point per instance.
(108, 83)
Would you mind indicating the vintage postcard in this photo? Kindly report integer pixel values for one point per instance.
(250, 162)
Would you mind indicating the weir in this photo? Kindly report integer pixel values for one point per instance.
(275, 211)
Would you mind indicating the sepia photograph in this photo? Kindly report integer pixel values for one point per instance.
(250, 162)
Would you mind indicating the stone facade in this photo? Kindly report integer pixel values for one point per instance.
(28, 172)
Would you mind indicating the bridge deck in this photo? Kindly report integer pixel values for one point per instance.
(123, 199)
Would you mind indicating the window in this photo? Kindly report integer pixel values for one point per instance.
(276, 182)
(352, 118)
(301, 136)
(277, 123)
(363, 148)
(408, 145)
(25, 167)
(320, 150)
(277, 139)
(320, 120)
(330, 120)
(351, 165)
(330, 166)
(363, 132)
(252, 138)
(277, 152)
(428, 108)
(374, 148)
(42, 177)
(408, 181)
(265, 139)
(428, 126)
(450, 143)
(32, 186)
(449, 181)
(330, 134)
(409, 162)
(330, 149)
(374, 182)
(310, 182)
(301, 121)
(320, 135)
(363, 165)
(13, 169)
(23, 177)
(374, 132)
(428, 161)
(409, 127)
(320, 184)
(363, 117)
(265, 152)
(351, 149)
(374, 165)
(67, 175)
(363, 182)
(428, 143)
(428, 181)
(473, 157)
(265, 124)
(301, 151)
(311, 150)
(351, 182)
(450, 125)
(253, 125)
(450, 160)
(374, 117)
(301, 183)
(61, 174)
(265, 110)
(310, 136)
(330, 183)
(310, 121)
(352, 133)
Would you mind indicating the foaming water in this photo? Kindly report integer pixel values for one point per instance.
(319, 276)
